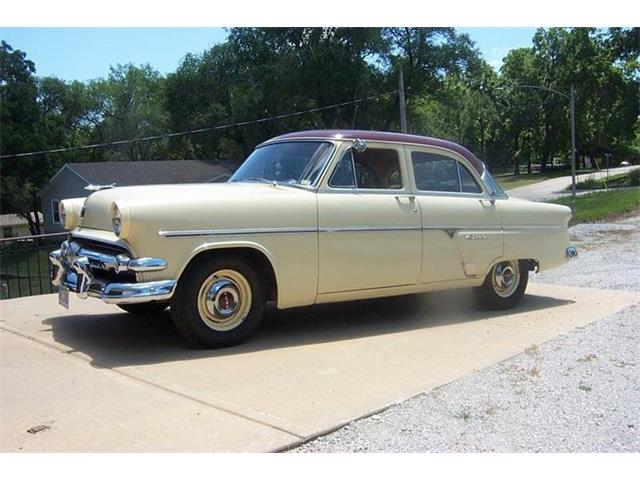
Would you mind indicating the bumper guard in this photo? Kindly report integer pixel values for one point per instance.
(73, 267)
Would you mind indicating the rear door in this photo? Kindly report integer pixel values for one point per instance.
(461, 227)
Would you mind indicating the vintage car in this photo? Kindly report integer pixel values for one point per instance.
(310, 217)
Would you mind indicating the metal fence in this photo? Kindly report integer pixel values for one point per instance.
(24, 265)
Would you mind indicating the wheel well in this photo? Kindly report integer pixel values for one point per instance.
(531, 264)
(258, 259)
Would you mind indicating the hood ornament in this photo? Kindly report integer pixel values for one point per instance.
(97, 188)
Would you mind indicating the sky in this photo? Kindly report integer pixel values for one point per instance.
(87, 53)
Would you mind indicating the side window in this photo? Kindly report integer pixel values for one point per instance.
(375, 168)
(438, 173)
(343, 176)
(55, 211)
(435, 173)
(469, 184)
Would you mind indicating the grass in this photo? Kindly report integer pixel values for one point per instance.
(510, 181)
(629, 179)
(597, 206)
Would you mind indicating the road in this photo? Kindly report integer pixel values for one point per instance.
(97, 379)
(556, 187)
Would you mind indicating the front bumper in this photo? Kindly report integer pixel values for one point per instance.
(108, 275)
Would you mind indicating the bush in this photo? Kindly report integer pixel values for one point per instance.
(634, 177)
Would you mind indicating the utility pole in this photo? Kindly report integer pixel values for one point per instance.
(403, 111)
(573, 140)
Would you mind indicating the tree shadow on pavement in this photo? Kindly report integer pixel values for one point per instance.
(122, 339)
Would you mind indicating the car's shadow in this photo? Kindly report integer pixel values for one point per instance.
(121, 339)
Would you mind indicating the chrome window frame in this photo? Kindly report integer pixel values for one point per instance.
(325, 187)
(459, 159)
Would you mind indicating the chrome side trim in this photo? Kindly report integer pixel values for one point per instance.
(336, 229)
(236, 231)
(366, 228)
(463, 227)
(534, 227)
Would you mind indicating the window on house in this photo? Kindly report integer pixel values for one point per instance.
(7, 232)
(55, 204)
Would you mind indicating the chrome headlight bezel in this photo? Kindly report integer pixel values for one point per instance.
(116, 221)
(120, 220)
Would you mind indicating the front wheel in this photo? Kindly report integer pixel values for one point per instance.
(219, 301)
(504, 285)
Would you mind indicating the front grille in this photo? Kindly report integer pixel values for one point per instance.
(106, 276)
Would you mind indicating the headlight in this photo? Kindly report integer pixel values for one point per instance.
(120, 219)
(116, 221)
(69, 211)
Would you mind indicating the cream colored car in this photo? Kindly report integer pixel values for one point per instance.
(309, 217)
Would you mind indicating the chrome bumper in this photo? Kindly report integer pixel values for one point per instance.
(571, 252)
(77, 268)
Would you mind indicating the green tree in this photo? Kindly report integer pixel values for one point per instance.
(129, 104)
(19, 118)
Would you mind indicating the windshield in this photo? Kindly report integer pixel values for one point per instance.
(296, 163)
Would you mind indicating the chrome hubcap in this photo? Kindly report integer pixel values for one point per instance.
(505, 278)
(224, 300)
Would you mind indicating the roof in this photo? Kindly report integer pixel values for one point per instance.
(13, 219)
(150, 172)
(383, 137)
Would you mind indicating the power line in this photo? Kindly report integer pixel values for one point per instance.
(198, 130)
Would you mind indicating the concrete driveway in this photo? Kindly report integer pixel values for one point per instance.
(556, 187)
(97, 379)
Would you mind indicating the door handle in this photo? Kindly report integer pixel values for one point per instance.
(411, 198)
(484, 201)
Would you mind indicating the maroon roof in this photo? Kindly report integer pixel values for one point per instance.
(383, 137)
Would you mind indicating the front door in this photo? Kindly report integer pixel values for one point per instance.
(369, 224)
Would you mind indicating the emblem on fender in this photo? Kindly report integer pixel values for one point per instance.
(475, 236)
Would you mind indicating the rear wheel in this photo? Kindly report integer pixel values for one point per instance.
(219, 301)
(144, 308)
(504, 286)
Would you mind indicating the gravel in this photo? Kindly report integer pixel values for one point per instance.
(579, 392)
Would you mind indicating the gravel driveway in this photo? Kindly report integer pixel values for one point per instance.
(576, 393)
(556, 187)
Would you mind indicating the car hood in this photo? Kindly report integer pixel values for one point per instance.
(167, 202)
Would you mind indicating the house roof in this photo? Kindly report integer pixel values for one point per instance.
(128, 173)
(383, 137)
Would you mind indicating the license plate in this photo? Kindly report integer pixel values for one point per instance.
(63, 296)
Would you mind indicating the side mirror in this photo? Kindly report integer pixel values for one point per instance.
(359, 145)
